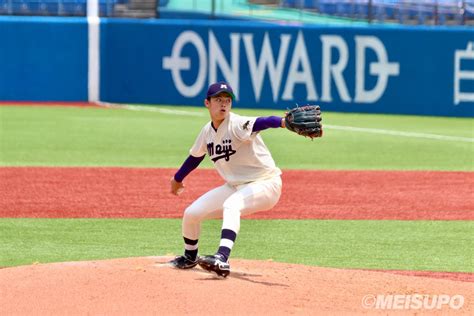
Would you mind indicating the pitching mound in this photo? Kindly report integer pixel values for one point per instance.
(149, 285)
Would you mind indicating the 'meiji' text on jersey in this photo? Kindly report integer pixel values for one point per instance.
(239, 155)
(220, 151)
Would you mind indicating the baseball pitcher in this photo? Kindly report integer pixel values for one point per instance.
(253, 183)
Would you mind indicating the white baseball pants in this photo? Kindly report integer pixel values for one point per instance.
(230, 203)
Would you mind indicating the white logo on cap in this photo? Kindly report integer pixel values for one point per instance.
(223, 86)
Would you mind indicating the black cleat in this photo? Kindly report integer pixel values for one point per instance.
(183, 262)
(215, 264)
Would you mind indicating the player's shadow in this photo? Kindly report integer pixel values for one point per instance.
(244, 276)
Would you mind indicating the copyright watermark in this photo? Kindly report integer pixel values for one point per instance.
(412, 301)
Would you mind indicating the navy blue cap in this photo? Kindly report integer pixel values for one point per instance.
(218, 87)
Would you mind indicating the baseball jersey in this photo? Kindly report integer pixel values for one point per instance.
(239, 155)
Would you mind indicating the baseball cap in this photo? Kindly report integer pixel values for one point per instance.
(218, 87)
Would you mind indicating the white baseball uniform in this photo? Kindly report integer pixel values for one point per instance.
(240, 156)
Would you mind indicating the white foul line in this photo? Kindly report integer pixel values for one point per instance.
(336, 127)
(399, 133)
(150, 109)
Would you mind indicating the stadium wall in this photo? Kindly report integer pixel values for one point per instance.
(399, 70)
(43, 59)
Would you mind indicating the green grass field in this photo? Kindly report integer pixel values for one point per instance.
(55, 136)
(400, 245)
(161, 137)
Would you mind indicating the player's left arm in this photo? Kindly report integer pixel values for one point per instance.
(247, 128)
(265, 122)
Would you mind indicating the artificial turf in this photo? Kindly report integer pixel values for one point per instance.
(72, 136)
(399, 245)
(161, 137)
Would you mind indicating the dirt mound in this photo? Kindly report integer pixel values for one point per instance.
(149, 285)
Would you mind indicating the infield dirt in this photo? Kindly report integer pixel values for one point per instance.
(73, 192)
(144, 286)
(150, 286)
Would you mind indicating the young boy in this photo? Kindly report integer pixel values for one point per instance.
(253, 182)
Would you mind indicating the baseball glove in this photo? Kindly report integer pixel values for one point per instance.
(305, 121)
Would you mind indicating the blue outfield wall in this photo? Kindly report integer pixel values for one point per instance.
(401, 70)
(43, 59)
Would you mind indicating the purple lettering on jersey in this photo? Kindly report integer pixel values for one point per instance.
(223, 151)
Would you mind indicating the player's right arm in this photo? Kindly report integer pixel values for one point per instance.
(196, 156)
(189, 165)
